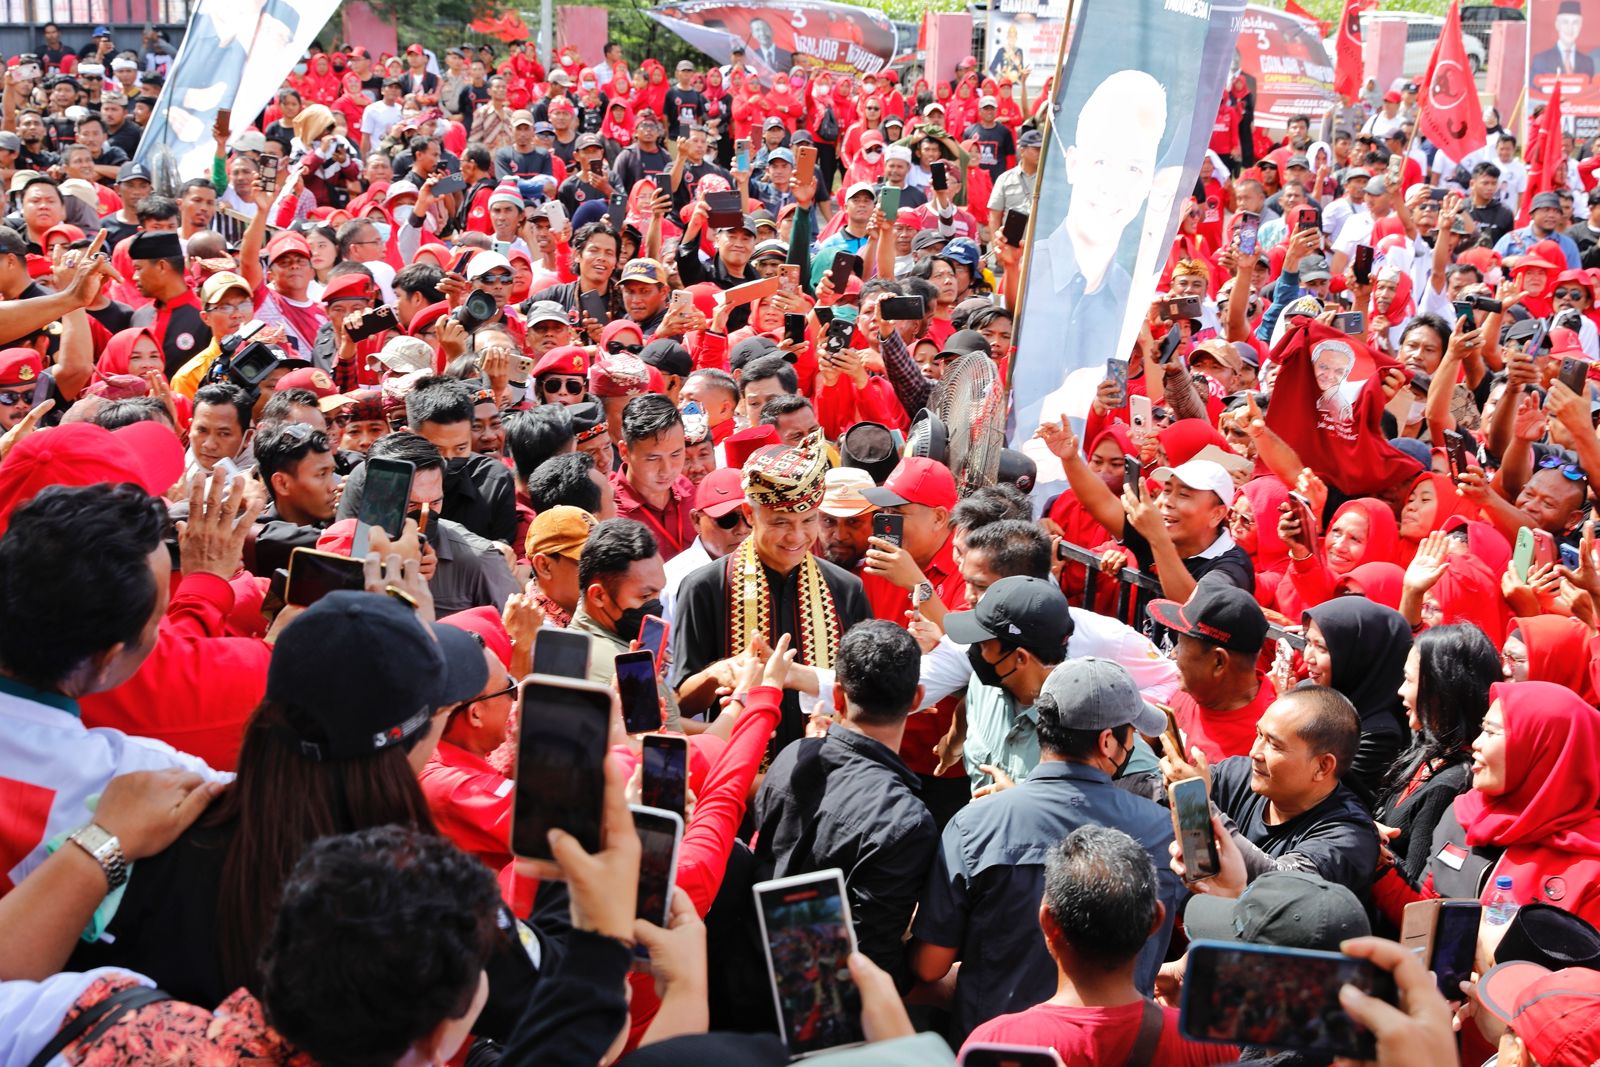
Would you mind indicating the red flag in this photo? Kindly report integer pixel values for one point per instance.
(1450, 115)
(1545, 153)
(1347, 67)
(1327, 404)
(1323, 27)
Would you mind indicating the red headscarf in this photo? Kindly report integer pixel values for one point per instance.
(1558, 651)
(618, 128)
(1186, 437)
(1383, 533)
(1447, 504)
(1552, 745)
(1469, 591)
(1271, 556)
(118, 352)
(1380, 582)
(1483, 541)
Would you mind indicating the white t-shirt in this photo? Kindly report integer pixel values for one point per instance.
(1513, 180)
(379, 118)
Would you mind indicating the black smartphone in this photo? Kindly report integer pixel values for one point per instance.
(660, 833)
(1132, 475)
(888, 526)
(1464, 310)
(724, 210)
(561, 752)
(1455, 945)
(837, 335)
(1361, 264)
(386, 495)
(986, 1055)
(592, 303)
(636, 687)
(1169, 345)
(1574, 372)
(653, 637)
(450, 183)
(617, 210)
(373, 322)
(794, 327)
(940, 174)
(1349, 322)
(1015, 229)
(664, 771)
(1485, 303)
(313, 575)
(1249, 227)
(1455, 444)
(807, 933)
(902, 308)
(562, 653)
(1536, 339)
(268, 166)
(844, 265)
(1281, 998)
(1117, 371)
(1191, 825)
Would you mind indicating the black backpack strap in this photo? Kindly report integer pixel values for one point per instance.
(1144, 1046)
(95, 1020)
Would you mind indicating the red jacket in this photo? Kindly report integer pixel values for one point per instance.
(470, 802)
(198, 687)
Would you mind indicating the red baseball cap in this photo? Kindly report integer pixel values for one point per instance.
(286, 244)
(916, 480)
(313, 378)
(485, 622)
(1555, 1013)
(719, 492)
(81, 453)
(740, 446)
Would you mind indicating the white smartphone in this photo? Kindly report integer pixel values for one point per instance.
(807, 933)
(1141, 418)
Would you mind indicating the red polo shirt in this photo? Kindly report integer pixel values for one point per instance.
(470, 802)
(672, 527)
(1220, 734)
(889, 601)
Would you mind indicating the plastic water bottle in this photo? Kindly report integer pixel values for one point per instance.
(1502, 905)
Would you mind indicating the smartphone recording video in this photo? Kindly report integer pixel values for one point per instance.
(636, 686)
(664, 771)
(561, 751)
(805, 928)
(563, 653)
(660, 833)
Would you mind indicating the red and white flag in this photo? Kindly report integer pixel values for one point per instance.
(1546, 155)
(1347, 63)
(1450, 115)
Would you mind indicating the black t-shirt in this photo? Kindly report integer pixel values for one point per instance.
(508, 161)
(692, 173)
(1334, 840)
(573, 194)
(635, 164)
(126, 137)
(590, 118)
(685, 108)
(565, 151)
(993, 147)
(114, 316)
(1231, 565)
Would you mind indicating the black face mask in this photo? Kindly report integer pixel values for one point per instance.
(454, 467)
(1127, 757)
(988, 673)
(630, 621)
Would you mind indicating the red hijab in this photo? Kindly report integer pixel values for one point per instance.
(1469, 591)
(1558, 651)
(1271, 556)
(1383, 533)
(1552, 794)
(1447, 505)
(1380, 582)
(1483, 541)
(118, 352)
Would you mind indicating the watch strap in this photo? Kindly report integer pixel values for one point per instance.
(104, 848)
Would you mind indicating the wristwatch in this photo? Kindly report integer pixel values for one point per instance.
(922, 594)
(106, 850)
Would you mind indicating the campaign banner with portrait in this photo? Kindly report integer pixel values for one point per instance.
(780, 34)
(1023, 40)
(1122, 153)
(1564, 44)
(1283, 55)
(234, 55)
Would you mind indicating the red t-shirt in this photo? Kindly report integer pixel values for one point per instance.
(1220, 734)
(1225, 131)
(1091, 1037)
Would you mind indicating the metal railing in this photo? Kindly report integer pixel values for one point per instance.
(1135, 590)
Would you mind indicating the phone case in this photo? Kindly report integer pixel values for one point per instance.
(1522, 555)
(834, 877)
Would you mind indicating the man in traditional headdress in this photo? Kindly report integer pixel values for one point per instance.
(770, 585)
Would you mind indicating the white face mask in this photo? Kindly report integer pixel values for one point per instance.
(1418, 407)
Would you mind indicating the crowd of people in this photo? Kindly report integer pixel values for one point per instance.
(601, 314)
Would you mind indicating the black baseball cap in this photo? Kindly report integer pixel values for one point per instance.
(668, 357)
(1216, 612)
(363, 673)
(966, 342)
(1289, 909)
(1028, 612)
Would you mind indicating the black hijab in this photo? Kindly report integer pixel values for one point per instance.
(1368, 644)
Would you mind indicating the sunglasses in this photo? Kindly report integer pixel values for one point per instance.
(8, 400)
(497, 277)
(1571, 294)
(1570, 471)
(575, 386)
(731, 520)
(615, 347)
(301, 433)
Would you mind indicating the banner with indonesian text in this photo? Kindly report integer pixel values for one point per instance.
(780, 34)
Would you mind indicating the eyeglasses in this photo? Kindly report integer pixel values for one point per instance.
(1569, 294)
(9, 400)
(242, 308)
(614, 347)
(575, 386)
(498, 693)
(1570, 471)
(497, 277)
(1248, 522)
(731, 520)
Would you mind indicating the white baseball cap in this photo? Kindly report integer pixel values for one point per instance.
(1200, 474)
(484, 262)
(897, 151)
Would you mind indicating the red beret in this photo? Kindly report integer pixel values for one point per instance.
(19, 366)
(428, 316)
(313, 378)
(567, 359)
(349, 287)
